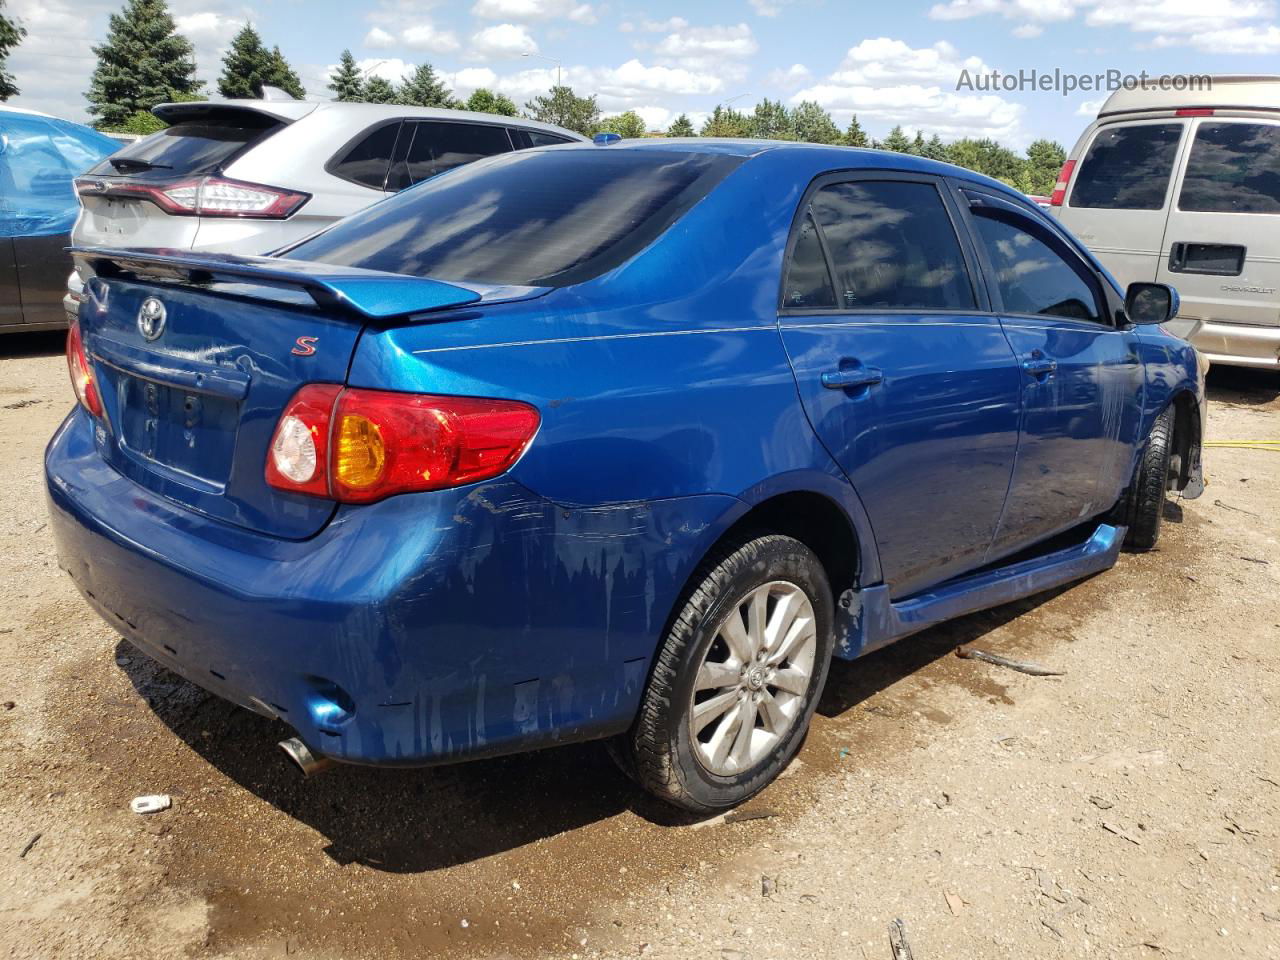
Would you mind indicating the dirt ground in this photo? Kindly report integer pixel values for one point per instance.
(1130, 808)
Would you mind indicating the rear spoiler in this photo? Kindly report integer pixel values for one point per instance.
(369, 293)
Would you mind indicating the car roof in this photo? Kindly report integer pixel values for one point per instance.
(360, 114)
(1225, 91)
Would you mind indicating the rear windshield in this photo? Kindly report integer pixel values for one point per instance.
(191, 147)
(1234, 168)
(1128, 168)
(538, 218)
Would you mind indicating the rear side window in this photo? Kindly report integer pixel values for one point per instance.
(522, 139)
(537, 218)
(438, 146)
(808, 282)
(367, 161)
(1033, 278)
(1233, 168)
(191, 148)
(1128, 168)
(892, 247)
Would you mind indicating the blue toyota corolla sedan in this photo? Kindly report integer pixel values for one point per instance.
(608, 441)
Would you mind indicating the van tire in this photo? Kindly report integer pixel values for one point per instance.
(660, 751)
(1146, 497)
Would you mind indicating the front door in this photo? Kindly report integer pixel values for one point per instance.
(904, 374)
(1081, 379)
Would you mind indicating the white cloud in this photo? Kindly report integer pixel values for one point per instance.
(1028, 31)
(533, 11)
(769, 8)
(1089, 108)
(426, 36)
(794, 76)
(379, 39)
(502, 40)
(1038, 10)
(1179, 16)
(470, 79)
(629, 86)
(1237, 40)
(885, 61)
(708, 47)
(393, 69)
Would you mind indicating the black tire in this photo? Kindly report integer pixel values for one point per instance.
(658, 752)
(1151, 482)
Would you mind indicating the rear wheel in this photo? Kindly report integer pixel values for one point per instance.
(737, 677)
(1146, 498)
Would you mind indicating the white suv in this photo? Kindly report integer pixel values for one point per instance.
(1184, 188)
(250, 176)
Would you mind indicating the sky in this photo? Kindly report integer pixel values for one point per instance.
(888, 62)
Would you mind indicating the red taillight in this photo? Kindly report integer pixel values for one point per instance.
(1193, 112)
(1060, 188)
(356, 446)
(82, 381)
(202, 197)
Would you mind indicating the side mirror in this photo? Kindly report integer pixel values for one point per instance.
(1150, 303)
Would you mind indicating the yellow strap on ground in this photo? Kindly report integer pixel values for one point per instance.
(1271, 445)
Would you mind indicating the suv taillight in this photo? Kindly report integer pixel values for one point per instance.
(356, 446)
(82, 381)
(1060, 188)
(202, 197)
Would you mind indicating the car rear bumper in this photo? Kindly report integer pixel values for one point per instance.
(422, 629)
(1232, 344)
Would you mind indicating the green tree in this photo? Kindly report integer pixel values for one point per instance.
(629, 125)
(486, 101)
(423, 88)
(11, 34)
(897, 141)
(772, 121)
(855, 136)
(1044, 161)
(144, 61)
(378, 90)
(682, 126)
(561, 106)
(988, 157)
(918, 145)
(935, 149)
(283, 76)
(726, 122)
(813, 124)
(346, 82)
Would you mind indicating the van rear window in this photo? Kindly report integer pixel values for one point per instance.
(194, 147)
(1128, 168)
(1234, 168)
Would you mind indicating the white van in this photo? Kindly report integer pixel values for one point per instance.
(1183, 188)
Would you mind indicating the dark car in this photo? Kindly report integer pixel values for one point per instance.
(609, 441)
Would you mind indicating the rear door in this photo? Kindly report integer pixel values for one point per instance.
(904, 373)
(1222, 241)
(440, 145)
(1081, 384)
(1119, 198)
(43, 265)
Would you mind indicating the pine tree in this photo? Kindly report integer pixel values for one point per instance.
(11, 35)
(628, 125)
(283, 76)
(423, 88)
(855, 136)
(897, 141)
(245, 66)
(144, 62)
(378, 90)
(561, 106)
(918, 145)
(346, 81)
(935, 149)
(682, 126)
(813, 124)
(486, 101)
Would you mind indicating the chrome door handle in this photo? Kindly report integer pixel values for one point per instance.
(852, 378)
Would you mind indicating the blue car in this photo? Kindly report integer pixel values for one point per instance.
(615, 441)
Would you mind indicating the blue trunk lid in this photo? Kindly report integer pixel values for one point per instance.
(191, 403)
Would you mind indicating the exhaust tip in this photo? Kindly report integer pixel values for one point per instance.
(309, 763)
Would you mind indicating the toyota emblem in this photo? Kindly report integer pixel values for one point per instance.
(151, 317)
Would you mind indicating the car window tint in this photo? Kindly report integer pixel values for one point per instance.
(1033, 278)
(808, 281)
(439, 146)
(190, 148)
(367, 160)
(522, 138)
(1233, 168)
(528, 218)
(892, 246)
(1128, 168)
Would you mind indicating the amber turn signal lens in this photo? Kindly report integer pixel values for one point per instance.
(360, 454)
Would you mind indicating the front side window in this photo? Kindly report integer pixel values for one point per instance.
(1233, 168)
(808, 283)
(439, 146)
(1033, 278)
(530, 218)
(892, 246)
(1128, 168)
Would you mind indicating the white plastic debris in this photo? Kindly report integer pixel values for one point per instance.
(151, 803)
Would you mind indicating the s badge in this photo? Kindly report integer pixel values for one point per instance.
(304, 347)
